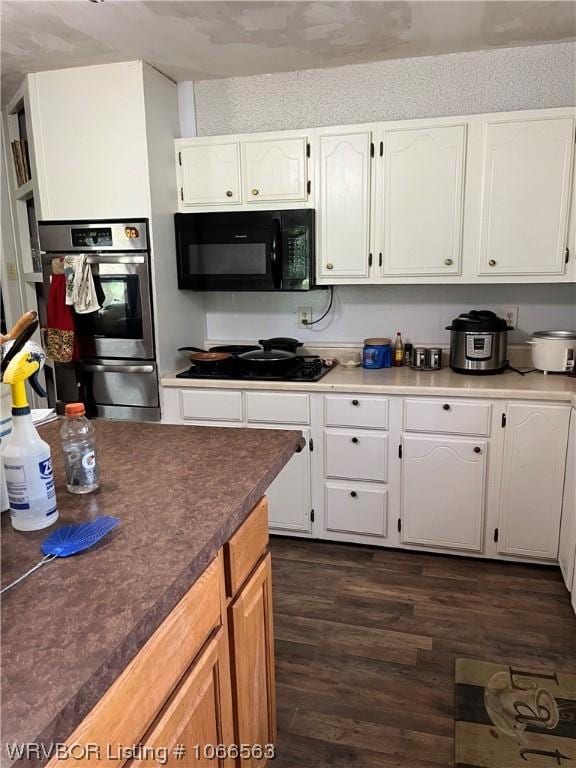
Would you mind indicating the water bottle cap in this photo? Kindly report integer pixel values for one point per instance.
(75, 409)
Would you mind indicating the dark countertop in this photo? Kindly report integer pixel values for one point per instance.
(71, 628)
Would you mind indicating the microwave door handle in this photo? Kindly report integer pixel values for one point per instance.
(276, 254)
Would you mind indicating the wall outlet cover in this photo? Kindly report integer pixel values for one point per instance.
(510, 314)
(304, 317)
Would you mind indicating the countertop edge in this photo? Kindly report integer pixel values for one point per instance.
(324, 385)
(81, 704)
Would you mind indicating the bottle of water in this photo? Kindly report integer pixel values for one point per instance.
(79, 446)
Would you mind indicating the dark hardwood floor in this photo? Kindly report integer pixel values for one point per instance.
(366, 641)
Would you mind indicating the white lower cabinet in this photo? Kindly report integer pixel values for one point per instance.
(356, 509)
(533, 473)
(443, 492)
(289, 504)
(567, 548)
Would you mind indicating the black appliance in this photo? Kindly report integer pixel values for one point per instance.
(302, 368)
(246, 250)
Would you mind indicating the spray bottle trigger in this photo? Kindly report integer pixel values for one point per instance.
(36, 386)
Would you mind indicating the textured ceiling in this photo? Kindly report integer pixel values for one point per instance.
(201, 40)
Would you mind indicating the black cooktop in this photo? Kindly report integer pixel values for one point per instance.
(305, 368)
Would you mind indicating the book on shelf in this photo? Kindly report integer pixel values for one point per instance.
(21, 161)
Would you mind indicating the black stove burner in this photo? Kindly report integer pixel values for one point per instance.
(305, 368)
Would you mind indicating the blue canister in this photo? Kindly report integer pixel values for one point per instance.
(377, 353)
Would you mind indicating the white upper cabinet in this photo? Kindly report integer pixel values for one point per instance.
(526, 196)
(274, 170)
(421, 203)
(343, 206)
(242, 172)
(533, 479)
(89, 127)
(443, 492)
(209, 173)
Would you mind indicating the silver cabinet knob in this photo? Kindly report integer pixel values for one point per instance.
(229, 193)
(492, 262)
(448, 262)
(329, 265)
(255, 191)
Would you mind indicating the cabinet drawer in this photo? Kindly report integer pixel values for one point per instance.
(356, 411)
(210, 405)
(457, 417)
(356, 455)
(246, 547)
(351, 509)
(124, 714)
(275, 408)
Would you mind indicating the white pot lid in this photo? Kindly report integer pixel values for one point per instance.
(555, 335)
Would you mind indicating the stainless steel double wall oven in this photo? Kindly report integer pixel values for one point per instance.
(116, 373)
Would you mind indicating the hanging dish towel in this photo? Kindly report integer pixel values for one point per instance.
(80, 290)
(60, 337)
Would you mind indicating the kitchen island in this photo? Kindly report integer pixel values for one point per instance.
(70, 630)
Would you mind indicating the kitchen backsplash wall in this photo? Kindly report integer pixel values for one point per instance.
(421, 312)
(456, 84)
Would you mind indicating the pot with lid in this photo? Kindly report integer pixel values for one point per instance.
(554, 351)
(478, 343)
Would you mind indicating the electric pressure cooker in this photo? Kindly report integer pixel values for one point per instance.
(478, 343)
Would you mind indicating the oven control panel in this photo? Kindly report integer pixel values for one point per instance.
(84, 237)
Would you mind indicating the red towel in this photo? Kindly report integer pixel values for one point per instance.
(61, 344)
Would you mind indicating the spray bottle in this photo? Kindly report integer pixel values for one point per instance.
(26, 459)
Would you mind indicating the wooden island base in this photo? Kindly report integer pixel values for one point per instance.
(201, 691)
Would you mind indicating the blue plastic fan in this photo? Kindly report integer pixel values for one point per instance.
(69, 540)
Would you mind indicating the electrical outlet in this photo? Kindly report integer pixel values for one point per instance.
(304, 317)
(510, 314)
(12, 271)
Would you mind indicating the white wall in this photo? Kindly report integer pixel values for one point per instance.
(420, 312)
(428, 86)
(462, 83)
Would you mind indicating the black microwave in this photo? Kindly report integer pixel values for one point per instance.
(246, 250)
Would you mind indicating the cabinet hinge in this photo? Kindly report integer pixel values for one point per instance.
(179, 158)
(369, 259)
(566, 255)
(503, 422)
(495, 534)
(399, 525)
(400, 451)
(381, 149)
(309, 186)
(181, 193)
(371, 149)
(307, 149)
(379, 259)
(311, 515)
(311, 442)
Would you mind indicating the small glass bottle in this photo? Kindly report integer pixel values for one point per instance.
(79, 447)
(398, 351)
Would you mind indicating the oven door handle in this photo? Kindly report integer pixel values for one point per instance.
(96, 368)
(115, 259)
(276, 254)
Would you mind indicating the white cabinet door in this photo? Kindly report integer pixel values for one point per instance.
(567, 548)
(443, 490)
(533, 479)
(289, 500)
(343, 215)
(209, 174)
(274, 170)
(422, 199)
(356, 509)
(526, 191)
